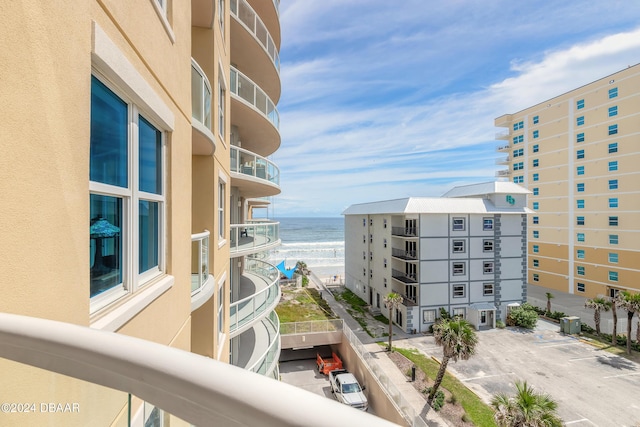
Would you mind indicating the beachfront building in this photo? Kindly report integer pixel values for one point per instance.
(123, 192)
(578, 153)
(464, 252)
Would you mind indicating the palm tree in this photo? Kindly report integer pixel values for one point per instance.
(598, 304)
(393, 301)
(458, 340)
(549, 296)
(614, 333)
(526, 409)
(631, 303)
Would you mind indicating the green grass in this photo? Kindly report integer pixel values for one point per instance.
(357, 303)
(305, 305)
(478, 412)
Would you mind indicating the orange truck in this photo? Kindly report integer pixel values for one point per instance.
(327, 365)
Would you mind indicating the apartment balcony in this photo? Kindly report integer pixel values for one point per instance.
(405, 231)
(201, 281)
(253, 48)
(203, 140)
(504, 173)
(254, 237)
(202, 13)
(503, 134)
(259, 347)
(269, 13)
(253, 174)
(404, 277)
(503, 161)
(106, 369)
(503, 121)
(259, 294)
(255, 115)
(404, 254)
(505, 147)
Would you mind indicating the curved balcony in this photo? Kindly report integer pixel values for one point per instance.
(244, 13)
(201, 281)
(202, 13)
(503, 173)
(259, 293)
(263, 347)
(250, 238)
(269, 13)
(254, 175)
(503, 161)
(204, 142)
(503, 134)
(503, 147)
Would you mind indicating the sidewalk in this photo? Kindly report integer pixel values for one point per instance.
(411, 395)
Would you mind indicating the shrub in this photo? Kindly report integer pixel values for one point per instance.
(524, 316)
(588, 329)
(557, 315)
(500, 324)
(444, 314)
(453, 399)
(438, 400)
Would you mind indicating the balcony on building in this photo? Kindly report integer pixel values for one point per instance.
(253, 237)
(408, 232)
(404, 277)
(203, 140)
(503, 121)
(201, 281)
(504, 147)
(505, 134)
(253, 48)
(503, 173)
(405, 254)
(259, 347)
(503, 161)
(254, 175)
(202, 13)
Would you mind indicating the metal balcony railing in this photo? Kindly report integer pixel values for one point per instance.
(254, 307)
(254, 237)
(404, 277)
(503, 172)
(404, 231)
(404, 254)
(503, 134)
(243, 12)
(248, 163)
(503, 147)
(243, 87)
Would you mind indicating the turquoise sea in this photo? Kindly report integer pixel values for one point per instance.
(319, 242)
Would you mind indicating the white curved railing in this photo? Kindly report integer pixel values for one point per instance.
(200, 95)
(267, 362)
(254, 237)
(248, 163)
(199, 260)
(194, 388)
(243, 12)
(256, 306)
(243, 87)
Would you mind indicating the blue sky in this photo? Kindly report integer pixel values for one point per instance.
(389, 99)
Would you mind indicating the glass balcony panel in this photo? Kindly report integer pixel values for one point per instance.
(261, 102)
(246, 89)
(247, 163)
(266, 361)
(245, 13)
(266, 278)
(199, 260)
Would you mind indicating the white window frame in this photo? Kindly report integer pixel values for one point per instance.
(428, 316)
(220, 317)
(458, 268)
(222, 209)
(488, 289)
(460, 312)
(487, 245)
(459, 290)
(488, 267)
(458, 224)
(487, 224)
(222, 104)
(458, 246)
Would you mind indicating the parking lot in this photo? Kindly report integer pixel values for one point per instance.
(592, 387)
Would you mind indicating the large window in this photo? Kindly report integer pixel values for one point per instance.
(126, 195)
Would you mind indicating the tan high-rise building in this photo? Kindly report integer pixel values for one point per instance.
(579, 154)
(134, 133)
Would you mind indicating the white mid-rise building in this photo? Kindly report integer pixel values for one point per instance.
(464, 252)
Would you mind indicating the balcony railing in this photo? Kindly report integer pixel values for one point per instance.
(404, 277)
(254, 307)
(254, 237)
(267, 362)
(503, 161)
(243, 12)
(503, 172)
(404, 254)
(503, 147)
(404, 231)
(312, 326)
(246, 89)
(248, 163)
(503, 134)
(199, 260)
(200, 95)
(193, 388)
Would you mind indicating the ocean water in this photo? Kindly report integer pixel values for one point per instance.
(319, 242)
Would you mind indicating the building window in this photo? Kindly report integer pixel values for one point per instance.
(518, 139)
(613, 92)
(613, 111)
(613, 129)
(221, 108)
(384, 223)
(613, 276)
(580, 237)
(458, 268)
(385, 243)
(487, 224)
(536, 205)
(536, 134)
(536, 220)
(536, 148)
(580, 121)
(487, 267)
(221, 14)
(371, 238)
(613, 147)
(487, 246)
(519, 152)
(458, 224)
(428, 316)
(580, 203)
(364, 222)
(536, 191)
(613, 221)
(536, 249)
(536, 163)
(364, 255)
(613, 184)
(580, 287)
(580, 170)
(371, 256)
(613, 202)
(536, 263)
(580, 187)
(364, 272)
(518, 125)
(613, 166)
(536, 277)
(580, 220)
(536, 234)
(459, 312)
(580, 254)
(580, 154)
(613, 257)
(580, 137)
(613, 239)
(518, 179)
(364, 239)
(580, 104)
(518, 166)
(126, 187)
(535, 120)
(385, 263)
(221, 295)
(580, 270)
(536, 177)
(459, 291)
(458, 246)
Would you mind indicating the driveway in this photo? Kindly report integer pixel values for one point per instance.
(592, 387)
